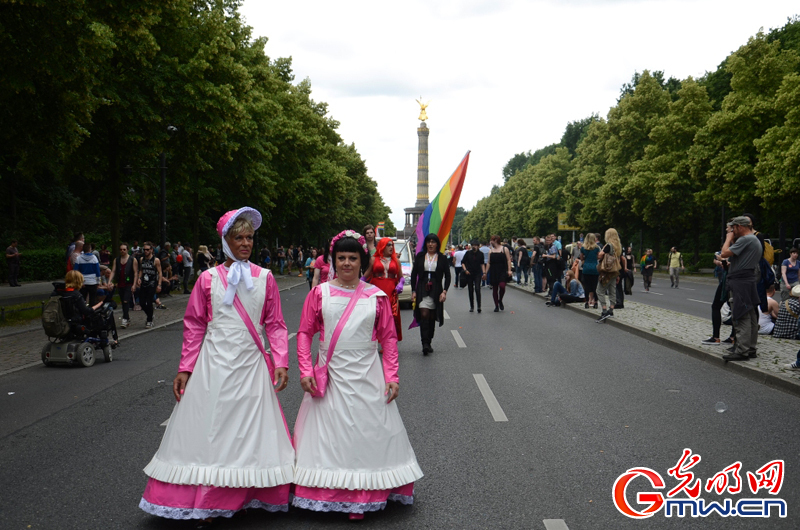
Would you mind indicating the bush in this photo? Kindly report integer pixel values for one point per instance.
(42, 265)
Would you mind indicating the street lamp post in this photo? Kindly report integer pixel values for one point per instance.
(163, 198)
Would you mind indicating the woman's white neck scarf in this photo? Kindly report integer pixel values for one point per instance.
(240, 270)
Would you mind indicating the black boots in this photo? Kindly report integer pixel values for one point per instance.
(426, 331)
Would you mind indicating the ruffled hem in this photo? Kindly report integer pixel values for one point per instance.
(169, 512)
(353, 480)
(402, 499)
(219, 476)
(347, 507)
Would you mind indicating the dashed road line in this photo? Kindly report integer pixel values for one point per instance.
(291, 336)
(446, 316)
(701, 301)
(555, 524)
(651, 292)
(488, 397)
(459, 340)
(166, 422)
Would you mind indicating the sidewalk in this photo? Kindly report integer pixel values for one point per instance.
(24, 350)
(684, 333)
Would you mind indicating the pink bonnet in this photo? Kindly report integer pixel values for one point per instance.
(226, 221)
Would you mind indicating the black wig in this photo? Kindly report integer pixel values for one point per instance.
(348, 244)
(433, 237)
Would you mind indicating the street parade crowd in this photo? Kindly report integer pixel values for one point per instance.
(228, 446)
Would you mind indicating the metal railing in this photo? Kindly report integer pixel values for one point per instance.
(4, 312)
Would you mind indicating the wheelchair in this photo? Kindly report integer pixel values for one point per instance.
(87, 335)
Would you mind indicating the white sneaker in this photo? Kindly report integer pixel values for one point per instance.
(124, 323)
(148, 325)
(792, 366)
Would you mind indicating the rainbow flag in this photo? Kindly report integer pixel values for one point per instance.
(438, 216)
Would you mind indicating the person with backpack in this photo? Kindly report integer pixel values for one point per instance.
(675, 263)
(608, 266)
(73, 309)
(523, 261)
(124, 272)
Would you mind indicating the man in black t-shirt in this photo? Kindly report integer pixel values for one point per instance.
(473, 267)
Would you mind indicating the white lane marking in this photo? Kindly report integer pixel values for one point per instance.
(686, 289)
(446, 316)
(651, 292)
(555, 524)
(291, 336)
(166, 422)
(459, 340)
(488, 397)
(701, 301)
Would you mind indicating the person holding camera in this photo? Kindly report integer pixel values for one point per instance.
(743, 251)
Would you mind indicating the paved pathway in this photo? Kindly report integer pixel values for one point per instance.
(21, 347)
(685, 333)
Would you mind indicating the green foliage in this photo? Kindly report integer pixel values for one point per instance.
(42, 264)
(93, 87)
(671, 160)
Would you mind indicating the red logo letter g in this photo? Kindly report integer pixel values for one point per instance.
(656, 500)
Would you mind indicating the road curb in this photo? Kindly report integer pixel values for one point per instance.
(127, 336)
(750, 372)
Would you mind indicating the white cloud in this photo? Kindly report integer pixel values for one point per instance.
(503, 76)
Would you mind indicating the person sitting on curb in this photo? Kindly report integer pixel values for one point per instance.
(562, 296)
(766, 319)
(786, 325)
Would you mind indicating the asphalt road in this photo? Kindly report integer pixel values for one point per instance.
(584, 403)
(693, 296)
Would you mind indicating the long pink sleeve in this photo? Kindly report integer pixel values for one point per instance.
(274, 325)
(195, 322)
(387, 336)
(310, 323)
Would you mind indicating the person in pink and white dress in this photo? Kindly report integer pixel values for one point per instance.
(353, 452)
(227, 446)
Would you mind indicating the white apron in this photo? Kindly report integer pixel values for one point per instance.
(351, 439)
(228, 429)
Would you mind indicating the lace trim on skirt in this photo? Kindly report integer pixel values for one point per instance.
(169, 512)
(349, 507)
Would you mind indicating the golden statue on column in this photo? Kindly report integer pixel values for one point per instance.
(422, 106)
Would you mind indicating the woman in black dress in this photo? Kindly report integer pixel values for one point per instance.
(430, 267)
(499, 271)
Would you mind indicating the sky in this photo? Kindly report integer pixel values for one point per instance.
(502, 76)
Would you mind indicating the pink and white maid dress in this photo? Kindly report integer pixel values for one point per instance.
(227, 446)
(353, 452)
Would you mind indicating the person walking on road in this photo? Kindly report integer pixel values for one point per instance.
(675, 262)
(148, 281)
(458, 258)
(124, 272)
(523, 261)
(589, 254)
(353, 451)
(498, 271)
(386, 273)
(473, 266)
(88, 265)
(743, 251)
(649, 264)
(227, 446)
(429, 295)
(12, 258)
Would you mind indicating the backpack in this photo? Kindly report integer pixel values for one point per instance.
(54, 322)
(610, 263)
(769, 253)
